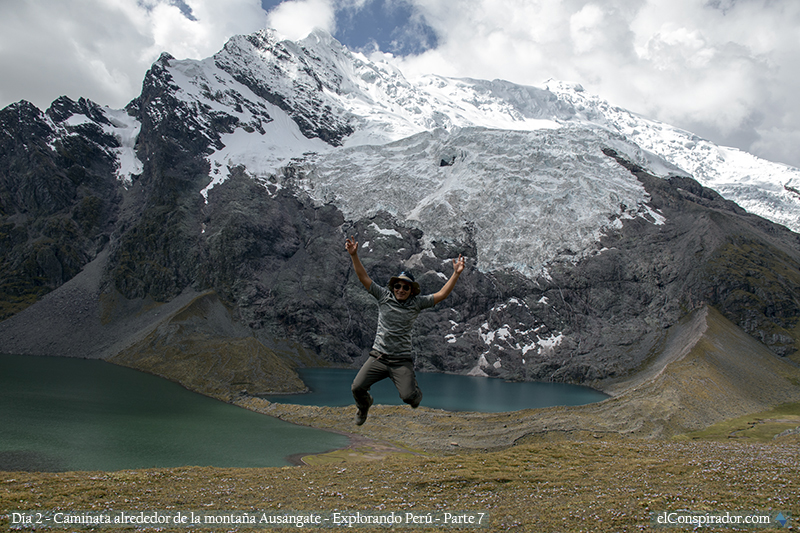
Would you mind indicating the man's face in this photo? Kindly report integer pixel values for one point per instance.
(402, 290)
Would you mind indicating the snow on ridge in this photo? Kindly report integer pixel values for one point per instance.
(123, 127)
(378, 101)
(387, 107)
(759, 186)
(265, 138)
(126, 129)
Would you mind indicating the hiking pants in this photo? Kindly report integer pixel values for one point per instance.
(376, 368)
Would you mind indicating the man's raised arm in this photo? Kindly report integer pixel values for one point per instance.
(444, 292)
(352, 248)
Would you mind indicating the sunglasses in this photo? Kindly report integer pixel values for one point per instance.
(402, 287)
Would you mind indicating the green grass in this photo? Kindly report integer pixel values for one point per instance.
(757, 427)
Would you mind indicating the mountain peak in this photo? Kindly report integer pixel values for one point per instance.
(345, 100)
(64, 107)
(165, 58)
(321, 37)
(22, 108)
(24, 121)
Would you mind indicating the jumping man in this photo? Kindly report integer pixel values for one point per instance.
(391, 355)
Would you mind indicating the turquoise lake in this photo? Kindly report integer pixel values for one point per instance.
(59, 413)
(331, 387)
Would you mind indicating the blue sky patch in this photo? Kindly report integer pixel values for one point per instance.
(390, 25)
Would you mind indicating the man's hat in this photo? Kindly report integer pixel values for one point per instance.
(407, 277)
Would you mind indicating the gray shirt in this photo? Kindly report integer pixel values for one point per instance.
(395, 320)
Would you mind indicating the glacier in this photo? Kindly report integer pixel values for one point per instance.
(526, 198)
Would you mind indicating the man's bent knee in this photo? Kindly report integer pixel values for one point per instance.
(413, 399)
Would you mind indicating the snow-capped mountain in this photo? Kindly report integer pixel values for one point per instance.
(283, 99)
(586, 230)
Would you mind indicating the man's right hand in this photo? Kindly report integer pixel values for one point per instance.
(352, 248)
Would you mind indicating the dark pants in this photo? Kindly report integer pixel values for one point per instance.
(378, 368)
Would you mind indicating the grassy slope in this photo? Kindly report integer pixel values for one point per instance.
(202, 348)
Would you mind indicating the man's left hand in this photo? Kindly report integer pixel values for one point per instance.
(458, 264)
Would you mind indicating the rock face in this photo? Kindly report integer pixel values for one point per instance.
(58, 197)
(580, 253)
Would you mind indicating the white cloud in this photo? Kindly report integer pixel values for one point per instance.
(296, 18)
(586, 28)
(101, 49)
(725, 67)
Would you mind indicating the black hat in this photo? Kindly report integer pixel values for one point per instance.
(406, 276)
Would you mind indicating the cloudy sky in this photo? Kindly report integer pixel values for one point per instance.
(724, 69)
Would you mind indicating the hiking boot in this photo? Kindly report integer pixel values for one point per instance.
(417, 400)
(361, 415)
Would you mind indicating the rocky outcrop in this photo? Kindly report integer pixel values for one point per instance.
(58, 199)
(291, 77)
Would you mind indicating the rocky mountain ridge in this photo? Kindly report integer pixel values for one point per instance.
(250, 168)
